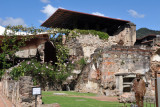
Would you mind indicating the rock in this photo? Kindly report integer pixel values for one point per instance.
(150, 95)
(126, 98)
(109, 92)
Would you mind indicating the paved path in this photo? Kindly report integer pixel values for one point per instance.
(4, 102)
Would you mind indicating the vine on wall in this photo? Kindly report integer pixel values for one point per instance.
(41, 72)
(10, 43)
(77, 32)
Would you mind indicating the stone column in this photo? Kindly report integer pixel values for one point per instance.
(121, 84)
(117, 82)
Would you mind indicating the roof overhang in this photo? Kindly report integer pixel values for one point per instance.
(68, 19)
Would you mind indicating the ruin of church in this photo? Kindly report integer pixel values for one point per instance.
(114, 63)
(111, 64)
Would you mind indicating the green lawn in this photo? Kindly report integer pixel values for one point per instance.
(69, 93)
(69, 101)
(66, 101)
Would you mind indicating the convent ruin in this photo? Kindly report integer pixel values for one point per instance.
(119, 61)
(111, 64)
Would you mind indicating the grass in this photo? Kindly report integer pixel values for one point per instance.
(69, 93)
(68, 101)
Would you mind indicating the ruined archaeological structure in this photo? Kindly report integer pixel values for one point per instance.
(111, 64)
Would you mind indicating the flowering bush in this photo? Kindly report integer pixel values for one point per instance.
(41, 73)
(10, 44)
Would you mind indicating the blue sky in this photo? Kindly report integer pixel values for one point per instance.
(144, 13)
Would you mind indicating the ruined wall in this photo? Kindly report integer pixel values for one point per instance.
(125, 59)
(40, 48)
(99, 75)
(30, 48)
(34, 45)
(125, 36)
(87, 81)
(85, 45)
(82, 47)
(19, 92)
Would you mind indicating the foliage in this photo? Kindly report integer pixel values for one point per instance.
(63, 65)
(11, 43)
(123, 62)
(145, 31)
(76, 32)
(30, 68)
(80, 63)
(102, 35)
(40, 72)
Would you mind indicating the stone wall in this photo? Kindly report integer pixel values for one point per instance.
(125, 36)
(85, 45)
(19, 92)
(31, 46)
(101, 75)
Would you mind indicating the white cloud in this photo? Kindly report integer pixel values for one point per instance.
(49, 10)
(97, 13)
(12, 21)
(135, 14)
(45, 1)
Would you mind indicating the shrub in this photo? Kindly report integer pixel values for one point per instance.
(41, 72)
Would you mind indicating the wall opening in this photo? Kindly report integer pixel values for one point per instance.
(126, 89)
(128, 79)
(50, 53)
(127, 82)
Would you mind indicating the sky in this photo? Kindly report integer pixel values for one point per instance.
(143, 13)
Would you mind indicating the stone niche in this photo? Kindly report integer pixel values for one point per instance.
(124, 81)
